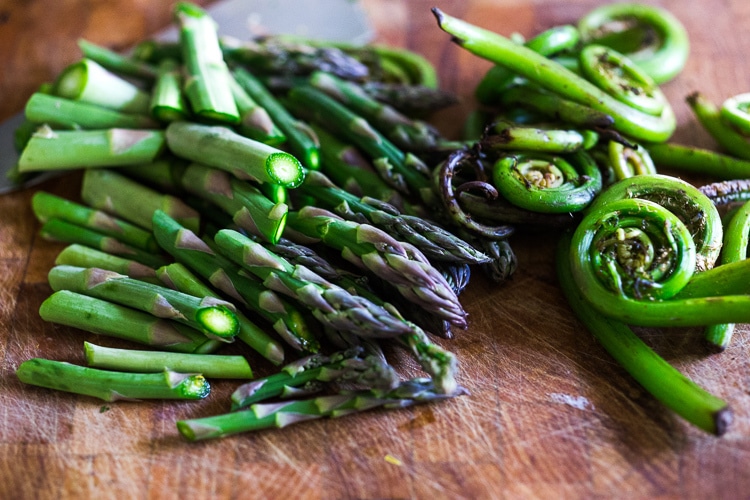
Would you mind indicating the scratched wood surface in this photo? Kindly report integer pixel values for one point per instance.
(549, 416)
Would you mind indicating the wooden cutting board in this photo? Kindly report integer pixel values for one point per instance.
(550, 415)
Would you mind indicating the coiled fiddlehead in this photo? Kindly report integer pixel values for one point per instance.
(546, 183)
(650, 36)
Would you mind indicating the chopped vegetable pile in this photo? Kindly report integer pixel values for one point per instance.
(292, 196)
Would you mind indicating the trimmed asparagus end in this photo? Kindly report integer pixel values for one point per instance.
(219, 320)
(285, 169)
(188, 386)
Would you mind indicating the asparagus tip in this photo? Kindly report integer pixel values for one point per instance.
(722, 420)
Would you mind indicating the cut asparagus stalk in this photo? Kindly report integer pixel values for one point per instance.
(130, 360)
(250, 209)
(167, 100)
(81, 256)
(255, 122)
(212, 316)
(47, 206)
(301, 139)
(117, 63)
(397, 263)
(114, 193)
(207, 83)
(270, 415)
(220, 147)
(313, 371)
(114, 320)
(194, 253)
(179, 277)
(161, 175)
(65, 232)
(88, 81)
(330, 304)
(59, 112)
(49, 149)
(112, 386)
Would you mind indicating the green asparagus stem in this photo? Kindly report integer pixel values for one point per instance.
(657, 376)
(207, 84)
(112, 386)
(432, 240)
(220, 147)
(250, 209)
(255, 122)
(155, 51)
(130, 360)
(68, 149)
(88, 81)
(301, 140)
(398, 263)
(406, 133)
(264, 416)
(331, 305)
(403, 171)
(348, 168)
(180, 278)
(114, 193)
(310, 373)
(47, 206)
(195, 254)
(114, 320)
(81, 256)
(65, 232)
(117, 63)
(59, 112)
(167, 100)
(212, 316)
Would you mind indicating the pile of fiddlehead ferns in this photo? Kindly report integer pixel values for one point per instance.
(571, 130)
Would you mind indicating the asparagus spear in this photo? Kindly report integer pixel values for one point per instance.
(49, 149)
(167, 100)
(207, 85)
(301, 139)
(62, 231)
(348, 168)
(310, 373)
(59, 112)
(264, 416)
(220, 147)
(249, 207)
(255, 122)
(114, 320)
(130, 360)
(194, 253)
(88, 81)
(403, 171)
(212, 316)
(331, 305)
(397, 263)
(406, 133)
(114, 193)
(117, 63)
(82, 256)
(179, 277)
(47, 206)
(434, 241)
(112, 386)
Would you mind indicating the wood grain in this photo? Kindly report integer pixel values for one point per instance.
(550, 415)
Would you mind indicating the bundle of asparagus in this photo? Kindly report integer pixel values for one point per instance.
(209, 170)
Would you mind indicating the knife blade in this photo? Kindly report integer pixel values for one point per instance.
(336, 20)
